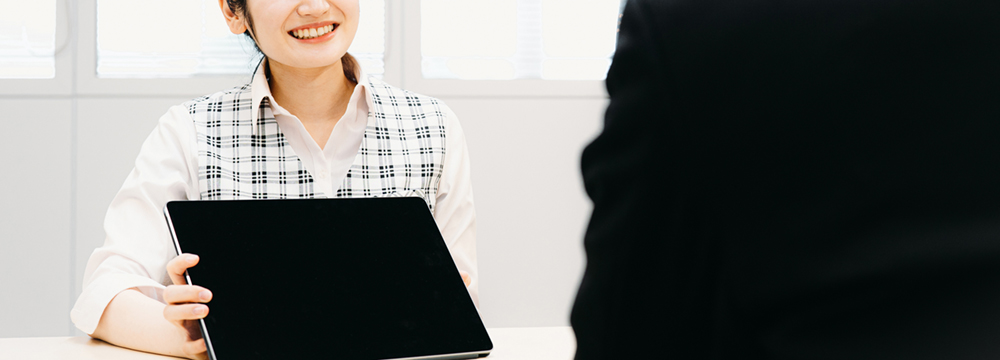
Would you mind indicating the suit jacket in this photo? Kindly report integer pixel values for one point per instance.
(797, 180)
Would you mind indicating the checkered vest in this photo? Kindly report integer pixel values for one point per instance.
(242, 154)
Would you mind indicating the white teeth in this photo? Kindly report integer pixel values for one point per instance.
(312, 33)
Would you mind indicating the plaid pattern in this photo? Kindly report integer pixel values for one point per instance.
(242, 154)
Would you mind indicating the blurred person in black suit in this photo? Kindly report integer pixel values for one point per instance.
(797, 180)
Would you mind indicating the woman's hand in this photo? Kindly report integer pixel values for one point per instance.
(186, 304)
(465, 278)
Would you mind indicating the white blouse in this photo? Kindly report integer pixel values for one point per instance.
(138, 244)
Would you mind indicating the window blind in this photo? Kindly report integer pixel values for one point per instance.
(27, 39)
(518, 39)
(189, 38)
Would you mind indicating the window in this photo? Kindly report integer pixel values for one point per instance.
(27, 39)
(518, 39)
(189, 38)
(369, 43)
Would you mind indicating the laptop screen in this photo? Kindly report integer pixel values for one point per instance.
(334, 278)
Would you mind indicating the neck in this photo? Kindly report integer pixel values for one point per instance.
(314, 95)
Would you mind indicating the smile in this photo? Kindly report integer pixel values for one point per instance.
(310, 33)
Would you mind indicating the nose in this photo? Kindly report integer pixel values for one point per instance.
(309, 8)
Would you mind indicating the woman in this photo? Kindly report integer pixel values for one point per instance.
(308, 125)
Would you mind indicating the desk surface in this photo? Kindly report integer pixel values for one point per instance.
(549, 343)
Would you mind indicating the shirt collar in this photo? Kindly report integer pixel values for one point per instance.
(260, 89)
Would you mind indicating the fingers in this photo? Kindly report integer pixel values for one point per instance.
(178, 265)
(179, 294)
(184, 302)
(185, 312)
(195, 349)
(465, 278)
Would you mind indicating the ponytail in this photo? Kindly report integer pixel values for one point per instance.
(351, 67)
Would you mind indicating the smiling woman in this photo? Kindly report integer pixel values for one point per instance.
(310, 124)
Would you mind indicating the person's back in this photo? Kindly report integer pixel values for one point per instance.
(797, 180)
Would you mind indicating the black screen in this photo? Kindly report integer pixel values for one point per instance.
(332, 278)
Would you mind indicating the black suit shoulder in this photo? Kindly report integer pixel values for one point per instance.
(780, 177)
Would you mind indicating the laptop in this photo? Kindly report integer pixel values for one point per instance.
(367, 278)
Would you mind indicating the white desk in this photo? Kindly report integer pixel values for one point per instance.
(548, 343)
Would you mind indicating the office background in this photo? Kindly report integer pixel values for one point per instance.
(69, 142)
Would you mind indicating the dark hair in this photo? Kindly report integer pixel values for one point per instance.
(348, 61)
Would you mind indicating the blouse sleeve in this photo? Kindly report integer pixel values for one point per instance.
(138, 244)
(454, 211)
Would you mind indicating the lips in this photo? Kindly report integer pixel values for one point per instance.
(312, 31)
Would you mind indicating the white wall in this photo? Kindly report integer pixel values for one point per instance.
(530, 205)
(36, 217)
(63, 157)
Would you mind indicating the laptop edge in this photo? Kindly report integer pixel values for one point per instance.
(208, 339)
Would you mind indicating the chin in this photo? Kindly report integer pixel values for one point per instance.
(310, 63)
